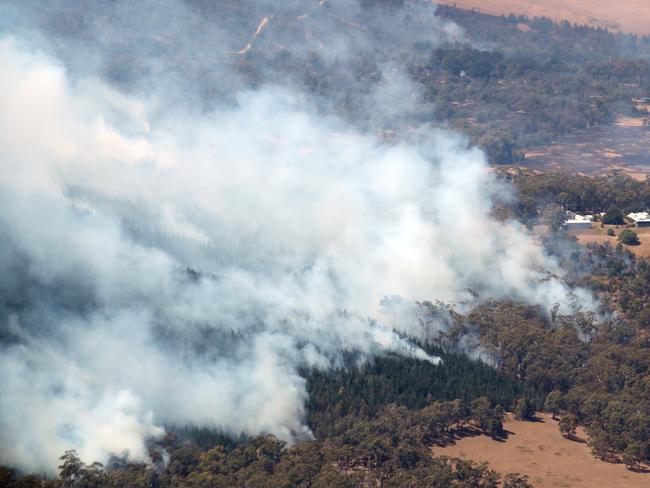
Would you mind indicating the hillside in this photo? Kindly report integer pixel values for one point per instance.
(278, 244)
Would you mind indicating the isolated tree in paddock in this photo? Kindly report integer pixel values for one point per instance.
(629, 238)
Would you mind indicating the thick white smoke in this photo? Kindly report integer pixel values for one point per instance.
(297, 226)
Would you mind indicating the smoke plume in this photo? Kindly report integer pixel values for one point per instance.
(161, 264)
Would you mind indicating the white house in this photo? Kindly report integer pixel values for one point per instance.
(641, 219)
(576, 221)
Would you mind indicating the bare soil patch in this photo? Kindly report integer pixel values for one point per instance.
(620, 15)
(537, 449)
(599, 235)
(622, 147)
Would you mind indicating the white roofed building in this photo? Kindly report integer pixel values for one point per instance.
(576, 221)
(641, 219)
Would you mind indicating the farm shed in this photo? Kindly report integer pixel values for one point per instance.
(641, 219)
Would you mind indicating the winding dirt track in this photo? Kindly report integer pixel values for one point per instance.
(617, 15)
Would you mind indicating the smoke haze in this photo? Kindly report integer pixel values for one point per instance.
(163, 262)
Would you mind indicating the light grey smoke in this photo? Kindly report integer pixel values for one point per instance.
(182, 268)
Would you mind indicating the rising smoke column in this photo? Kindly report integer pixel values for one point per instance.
(168, 267)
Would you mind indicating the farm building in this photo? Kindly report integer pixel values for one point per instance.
(576, 221)
(641, 219)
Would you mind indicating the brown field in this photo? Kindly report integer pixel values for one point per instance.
(618, 15)
(622, 147)
(538, 450)
(598, 235)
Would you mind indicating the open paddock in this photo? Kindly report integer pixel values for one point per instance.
(621, 15)
(538, 450)
(599, 235)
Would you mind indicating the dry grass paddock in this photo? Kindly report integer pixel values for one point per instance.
(537, 449)
(621, 15)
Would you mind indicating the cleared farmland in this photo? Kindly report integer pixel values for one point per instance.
(623, 15)
(538, 450)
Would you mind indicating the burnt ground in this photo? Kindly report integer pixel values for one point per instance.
(620, 147)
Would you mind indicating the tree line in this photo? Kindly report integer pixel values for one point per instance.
(392, 449)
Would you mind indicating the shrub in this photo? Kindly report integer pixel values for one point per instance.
(629, 237)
